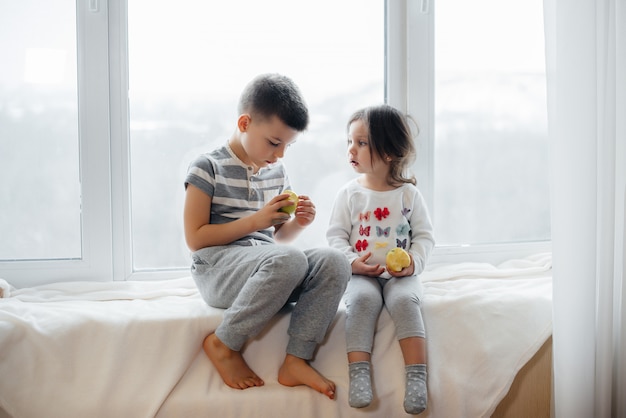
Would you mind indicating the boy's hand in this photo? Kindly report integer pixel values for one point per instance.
(303, 216)
(305, 211)
(269, 214)
(360, 266)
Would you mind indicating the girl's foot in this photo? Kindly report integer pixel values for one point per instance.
(360, 384)
(416, 395)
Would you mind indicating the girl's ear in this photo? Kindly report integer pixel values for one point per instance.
(243, 122)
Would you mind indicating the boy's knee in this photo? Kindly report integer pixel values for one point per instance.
(291, 262)
(336, 260)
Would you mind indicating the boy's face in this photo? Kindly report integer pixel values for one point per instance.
(264, 141)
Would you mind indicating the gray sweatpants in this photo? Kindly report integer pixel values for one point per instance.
(254, 282)
(364, 300)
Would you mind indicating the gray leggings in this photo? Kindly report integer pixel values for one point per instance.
(254, 282)
(365, 298)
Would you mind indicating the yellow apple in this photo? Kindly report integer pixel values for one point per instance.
(397, 259)
(293, 197)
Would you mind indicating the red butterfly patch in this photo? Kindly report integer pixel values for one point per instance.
(364, 230)
(381, 213)
(361, 245)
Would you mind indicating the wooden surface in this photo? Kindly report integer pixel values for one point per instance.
(530, 393)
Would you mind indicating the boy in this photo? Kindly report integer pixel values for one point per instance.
(232, 218)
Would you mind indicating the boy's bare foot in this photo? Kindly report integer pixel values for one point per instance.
(296, 371)
(230, 364)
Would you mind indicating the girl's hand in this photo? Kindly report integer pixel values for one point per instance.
(360, 266)
(407, 271)
(305, 211)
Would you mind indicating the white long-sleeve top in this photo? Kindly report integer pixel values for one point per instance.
(364, 220)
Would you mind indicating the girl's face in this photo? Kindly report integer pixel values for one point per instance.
(360, 156)
(264, 142)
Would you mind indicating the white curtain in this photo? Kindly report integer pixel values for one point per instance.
(586, 63)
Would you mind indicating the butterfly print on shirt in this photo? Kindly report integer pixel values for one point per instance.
(403, 229)
(401, 244)
(382, 232)
(381, 213)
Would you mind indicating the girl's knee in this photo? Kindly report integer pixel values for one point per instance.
(359, 301)
(404, 303)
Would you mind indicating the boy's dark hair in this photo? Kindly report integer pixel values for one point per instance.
(390, 136)
(270, 95)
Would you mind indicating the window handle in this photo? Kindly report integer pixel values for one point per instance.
(93, 6)
(425, 7)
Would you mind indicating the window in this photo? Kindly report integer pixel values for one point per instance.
(101, 117)
(40, 196)
(481, 101)
(184, 85)
(55, 216)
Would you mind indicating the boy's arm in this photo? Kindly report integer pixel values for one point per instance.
(200, 233)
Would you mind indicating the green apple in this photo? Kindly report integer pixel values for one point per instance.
(293, 197)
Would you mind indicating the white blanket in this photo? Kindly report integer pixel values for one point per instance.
(133, 349)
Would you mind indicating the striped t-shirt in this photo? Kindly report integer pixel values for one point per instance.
(235, 191)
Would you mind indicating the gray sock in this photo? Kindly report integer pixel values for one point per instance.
(416, 395)
(360, 384)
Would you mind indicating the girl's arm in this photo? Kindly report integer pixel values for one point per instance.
(338, 236)
(422, 237)
(340, 226)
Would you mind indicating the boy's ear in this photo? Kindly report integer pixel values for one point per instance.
(243, 122)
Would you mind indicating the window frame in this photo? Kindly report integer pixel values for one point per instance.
(105, 150)
(121, 231)
(419, 41)
(93, 114)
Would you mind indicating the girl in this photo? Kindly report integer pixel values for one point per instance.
(380, 210)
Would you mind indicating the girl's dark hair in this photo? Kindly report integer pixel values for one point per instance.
(390, 136)
(270, 95)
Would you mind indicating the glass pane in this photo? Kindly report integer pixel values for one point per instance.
(39, 155)
(491, 142)
(185, 82)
